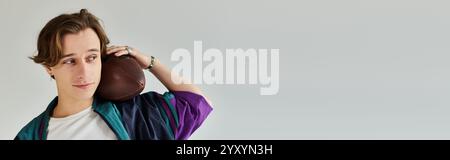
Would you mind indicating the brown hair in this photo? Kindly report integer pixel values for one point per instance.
(49, 42)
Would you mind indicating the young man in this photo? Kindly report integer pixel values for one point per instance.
(70, 47)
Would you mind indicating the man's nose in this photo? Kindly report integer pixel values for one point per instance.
(82, 70)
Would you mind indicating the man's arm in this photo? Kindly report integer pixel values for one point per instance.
(159, 70)
(164, 75)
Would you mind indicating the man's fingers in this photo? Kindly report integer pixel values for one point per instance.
(113, 50)
(110, 47)
(123, 52)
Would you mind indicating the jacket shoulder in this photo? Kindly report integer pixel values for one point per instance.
(31, 130)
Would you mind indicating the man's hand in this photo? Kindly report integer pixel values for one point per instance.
(142, 59)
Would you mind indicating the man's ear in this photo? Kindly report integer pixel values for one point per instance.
(49, 71)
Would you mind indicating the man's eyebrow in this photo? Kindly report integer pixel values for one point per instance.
(93, 50)
(68, 55)
(90, 50)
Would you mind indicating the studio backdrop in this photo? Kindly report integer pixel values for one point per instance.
(273, 69)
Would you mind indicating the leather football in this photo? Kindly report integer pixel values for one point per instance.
(122, 78)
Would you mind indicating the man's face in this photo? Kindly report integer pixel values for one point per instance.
(77, 74)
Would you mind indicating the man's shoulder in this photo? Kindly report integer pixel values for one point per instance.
(142, 100)
(31, 130)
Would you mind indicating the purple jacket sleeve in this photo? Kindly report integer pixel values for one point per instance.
(186, 112)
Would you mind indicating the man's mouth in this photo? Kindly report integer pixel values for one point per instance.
(83, 86)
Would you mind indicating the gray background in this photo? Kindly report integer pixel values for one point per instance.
(349, 69)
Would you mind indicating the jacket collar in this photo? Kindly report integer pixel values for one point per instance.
(106, 109)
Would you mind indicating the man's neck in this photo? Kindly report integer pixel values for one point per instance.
(69, 106)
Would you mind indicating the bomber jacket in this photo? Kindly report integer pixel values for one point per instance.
(148, 116)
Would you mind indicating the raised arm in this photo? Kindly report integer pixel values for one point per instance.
(158, 69)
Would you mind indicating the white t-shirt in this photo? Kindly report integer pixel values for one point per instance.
(84, 125)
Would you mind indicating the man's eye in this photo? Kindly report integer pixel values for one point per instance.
(69, 61)
(91, 58)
